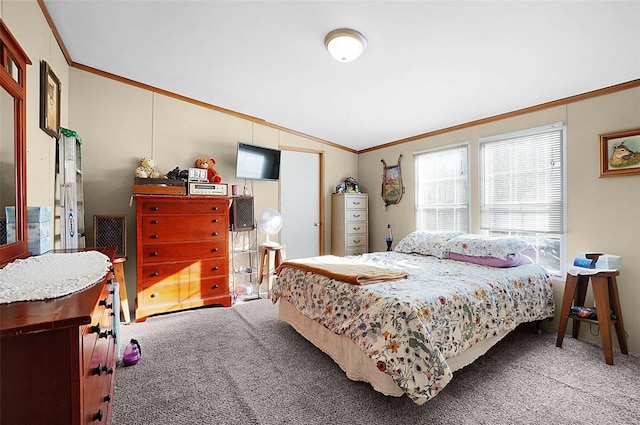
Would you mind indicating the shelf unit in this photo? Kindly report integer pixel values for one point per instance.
(243, 270)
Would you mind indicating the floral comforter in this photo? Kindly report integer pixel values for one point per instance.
(410, 327)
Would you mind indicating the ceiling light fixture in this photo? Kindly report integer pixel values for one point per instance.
(345, 44)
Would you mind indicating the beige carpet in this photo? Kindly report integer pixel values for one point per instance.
(241, 365)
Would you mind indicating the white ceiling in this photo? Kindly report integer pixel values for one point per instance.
(429, 64)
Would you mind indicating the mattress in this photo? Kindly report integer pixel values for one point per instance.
(407, 336)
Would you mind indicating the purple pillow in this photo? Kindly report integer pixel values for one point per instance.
(512, 260)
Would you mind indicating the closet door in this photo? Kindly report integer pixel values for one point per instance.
(300, 203)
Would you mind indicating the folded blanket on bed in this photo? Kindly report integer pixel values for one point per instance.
(344, 269)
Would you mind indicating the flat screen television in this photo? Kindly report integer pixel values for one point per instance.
(257, 162)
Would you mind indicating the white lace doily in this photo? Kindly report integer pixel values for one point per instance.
(51, 275)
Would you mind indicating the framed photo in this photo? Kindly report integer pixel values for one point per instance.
(49, 100)
(620, 153)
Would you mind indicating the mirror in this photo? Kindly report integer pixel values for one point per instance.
(7, 162)
(13, 168)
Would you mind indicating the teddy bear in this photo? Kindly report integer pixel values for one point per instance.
(207, 164)
(146, 169)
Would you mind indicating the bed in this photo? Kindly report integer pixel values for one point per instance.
(405, 320)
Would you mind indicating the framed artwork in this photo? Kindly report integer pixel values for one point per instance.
(49, 100)
(392, 188)
(620, 153)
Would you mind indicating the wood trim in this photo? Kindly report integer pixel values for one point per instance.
(17, 90)
(56, 34)
(547, 105)
(559, 102)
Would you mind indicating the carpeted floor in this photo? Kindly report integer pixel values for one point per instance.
(241, 365)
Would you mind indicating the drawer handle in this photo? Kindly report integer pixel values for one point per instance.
(107, 398)
(154, 208)
(214, 269)
(356, 241)
(154, 295)
(215, 208)
(154, 236)
(104, 303)
(216, 286)
(356, 228)
(104, 334)
(356, 203)
(214, 250)
(109, 370)
(154, 274)
(98, 416)
(215, 220)
(96, 370)
(154, 254)
(214, 234)
(155, 222)
(95, 329)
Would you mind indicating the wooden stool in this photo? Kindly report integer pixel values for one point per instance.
(605, 295)
(118, 271)
(270, 258)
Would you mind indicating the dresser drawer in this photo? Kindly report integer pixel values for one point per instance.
(356, 216)
(358, 250)
(356, 202)
(158, 207)
(183, 252)
(183, 271)
(212, 287)
(170, 293)
(356, 240)
(174, 228)
(356, 228)
(99, 360)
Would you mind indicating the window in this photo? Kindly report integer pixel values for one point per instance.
(442, 189)
(522, 190)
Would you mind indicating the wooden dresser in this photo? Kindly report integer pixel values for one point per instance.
(182, 253)
(58, 358)
(349, 223)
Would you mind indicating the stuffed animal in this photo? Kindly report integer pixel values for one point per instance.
(147, 169)
(207, 164)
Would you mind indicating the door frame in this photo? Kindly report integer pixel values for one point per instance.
(321, 203)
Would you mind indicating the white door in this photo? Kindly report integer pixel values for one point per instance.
(300, 203)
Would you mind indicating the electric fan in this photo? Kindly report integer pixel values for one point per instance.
(270, 222)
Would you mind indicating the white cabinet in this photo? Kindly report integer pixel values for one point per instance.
(349, 223)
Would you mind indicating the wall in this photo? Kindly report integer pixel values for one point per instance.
(30, 28)
(120, 122)
(603, 213)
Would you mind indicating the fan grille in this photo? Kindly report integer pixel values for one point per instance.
(111, 230)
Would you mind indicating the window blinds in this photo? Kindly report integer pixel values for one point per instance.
(442, 189)
(521, 181)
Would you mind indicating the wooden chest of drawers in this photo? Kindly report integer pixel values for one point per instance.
(182, 253)
(58, 358)
(349, 224)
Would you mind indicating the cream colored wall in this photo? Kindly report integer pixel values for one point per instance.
(120, 123)
(29, 27)
(603, 213)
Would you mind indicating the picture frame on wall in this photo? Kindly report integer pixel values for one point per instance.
(620, 153)
(49, 100)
